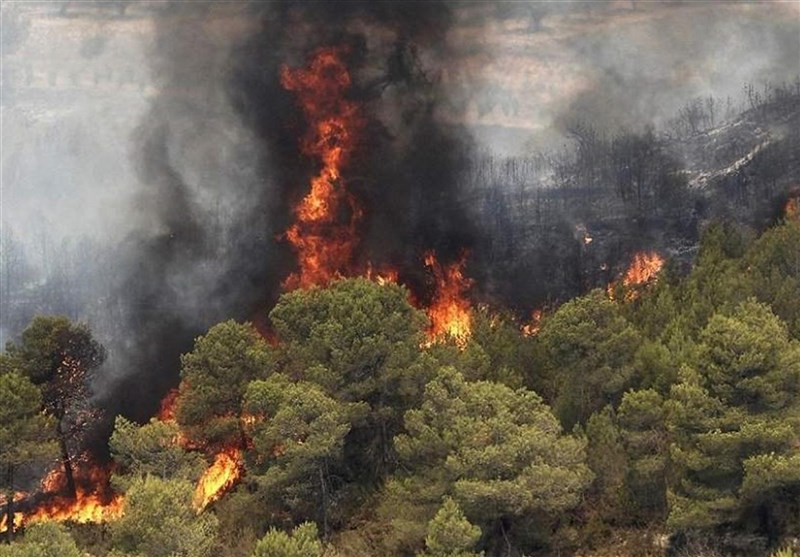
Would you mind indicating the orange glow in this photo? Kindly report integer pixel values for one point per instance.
(324, 232)
(18, 519)
(792, 209)
(166, 413)
(643, 270)
(532, 327)
(449, 310)
(218, 478)
(166, 410)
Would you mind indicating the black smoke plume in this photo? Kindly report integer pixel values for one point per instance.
(214, 247)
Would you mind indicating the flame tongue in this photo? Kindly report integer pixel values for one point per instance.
(534, 325)
(449, 311)
(218, 478)
(324, 233)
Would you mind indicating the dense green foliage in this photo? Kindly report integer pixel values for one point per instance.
(215, 375)
(675, 411)
(43, 540)
(159, 521)
(303, 541)
(450, 534)
(150, 450)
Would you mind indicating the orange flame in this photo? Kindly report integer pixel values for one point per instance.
(218, 478)
(643, 270)
(86, 507)
(324, 233)
(94, 501)
(645, 267)
(228, 465)
(449, 310)
(166, 413)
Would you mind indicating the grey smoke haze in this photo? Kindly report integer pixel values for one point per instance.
(608, 64)
(149, 156)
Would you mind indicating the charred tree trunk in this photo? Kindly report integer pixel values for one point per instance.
(68, 472)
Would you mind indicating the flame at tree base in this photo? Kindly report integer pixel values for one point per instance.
(94, 501)
(85, 508)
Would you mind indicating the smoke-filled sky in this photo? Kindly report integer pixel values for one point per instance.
(76, 86)
(159, 131)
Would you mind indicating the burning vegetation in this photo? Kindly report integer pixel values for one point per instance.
(449, 311)
(325, 240)
(642, 271)
(325, 233)
(220, 477)
(222, 474)
(94, 500)
(355, 400)
(534, 324)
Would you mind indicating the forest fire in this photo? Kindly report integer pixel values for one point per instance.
(324, 233)
(86, 507)
(643, 270)
(218, 478)
(94, 501)
(449, 310)
(645, 267)
(386, 276)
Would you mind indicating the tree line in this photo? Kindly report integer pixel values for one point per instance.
(675, 412)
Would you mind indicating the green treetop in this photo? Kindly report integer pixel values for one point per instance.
(214, 377)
